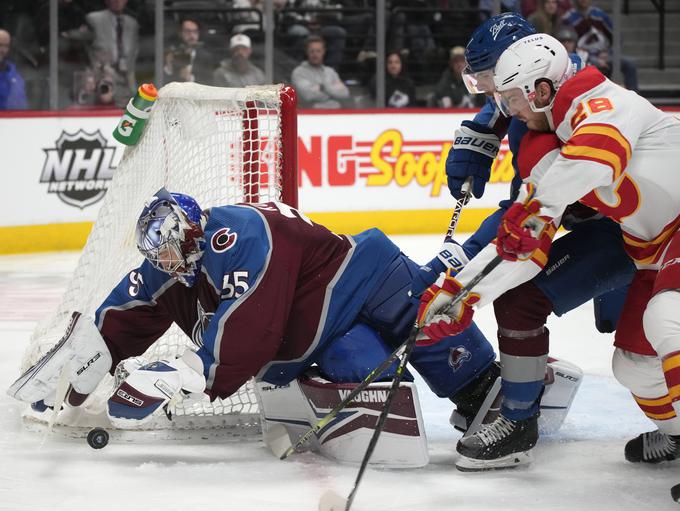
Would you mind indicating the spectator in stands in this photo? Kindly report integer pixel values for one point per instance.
(12, 89)
(546, 18)
(410, 29)
(114, 47)
(324, 24)
(486, 7)
(238, 71)
(594, 29)
(530, 6)
(188, 60)
(399, 89)
(318, 86)
(450, 91)
(567, 36)
(92, 90)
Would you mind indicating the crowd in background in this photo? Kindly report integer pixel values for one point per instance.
(326, 50)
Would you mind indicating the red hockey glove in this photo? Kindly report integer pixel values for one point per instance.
(522, 231)
(435, 317)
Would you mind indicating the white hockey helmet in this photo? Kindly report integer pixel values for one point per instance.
(537, 57)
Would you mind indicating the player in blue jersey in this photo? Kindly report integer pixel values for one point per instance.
(588, 262)
(261, 291)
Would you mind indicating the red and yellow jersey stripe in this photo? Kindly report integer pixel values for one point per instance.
(649, 251)
(671, 371)
(660, 408)
(600, 143)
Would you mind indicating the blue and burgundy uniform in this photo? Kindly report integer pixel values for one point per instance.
(277, 293)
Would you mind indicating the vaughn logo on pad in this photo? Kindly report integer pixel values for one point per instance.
(79, 167)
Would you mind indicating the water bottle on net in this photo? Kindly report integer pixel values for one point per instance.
(137, 111)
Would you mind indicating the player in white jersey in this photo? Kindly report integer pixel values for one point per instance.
(615, 152)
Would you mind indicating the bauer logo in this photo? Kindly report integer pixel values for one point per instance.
(79, 168)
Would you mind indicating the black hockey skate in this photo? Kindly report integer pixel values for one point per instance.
(653, 447)
(478, 402)
(503, 443)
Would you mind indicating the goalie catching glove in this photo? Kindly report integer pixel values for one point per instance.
(151, 387)
(83, 349)
(436, 319)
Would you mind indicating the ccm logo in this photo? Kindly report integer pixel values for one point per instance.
(476, 142)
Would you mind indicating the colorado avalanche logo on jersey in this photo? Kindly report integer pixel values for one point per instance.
(223, 240)
(458, 356)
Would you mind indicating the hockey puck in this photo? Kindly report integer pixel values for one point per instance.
(98, 438)
(675, 492)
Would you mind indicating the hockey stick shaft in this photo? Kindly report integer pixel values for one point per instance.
(460, 203)
(410, 344)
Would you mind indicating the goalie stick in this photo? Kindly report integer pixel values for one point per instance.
(276, 436)
(330, 500)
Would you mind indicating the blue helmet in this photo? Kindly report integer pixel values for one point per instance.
(492, 37)
(170, 235)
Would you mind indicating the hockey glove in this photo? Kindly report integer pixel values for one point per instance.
(450, 256)
(435, 316)
(521, 231)
(474, 148)
(152, 386)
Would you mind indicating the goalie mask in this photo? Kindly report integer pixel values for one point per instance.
(170, 235)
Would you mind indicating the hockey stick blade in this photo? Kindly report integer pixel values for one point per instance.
(277, 439)
(332, 501)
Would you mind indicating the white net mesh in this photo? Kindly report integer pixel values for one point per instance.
(221, 146)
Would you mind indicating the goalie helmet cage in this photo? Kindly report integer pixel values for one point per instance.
(219, 145)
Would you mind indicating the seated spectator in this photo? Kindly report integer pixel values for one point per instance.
(594, 29)
(323, 24)
(12, 88)
(545, 18)
(399, 89)
(486, 7)
(411, 29)
(530, 6)
(114, 46)
(567, 36)
(189, 61)
(92, 90)
(318, 86)
(238, 71)
(450, 91)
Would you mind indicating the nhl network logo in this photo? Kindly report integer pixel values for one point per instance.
(79, 168)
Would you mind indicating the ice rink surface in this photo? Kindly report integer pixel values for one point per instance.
(579, 468)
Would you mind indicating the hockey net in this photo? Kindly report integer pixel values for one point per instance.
(219, 145)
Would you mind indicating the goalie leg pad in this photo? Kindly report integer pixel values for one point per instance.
(83, 346)
(304, 401)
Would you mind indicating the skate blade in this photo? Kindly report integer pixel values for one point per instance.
(465, 464)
